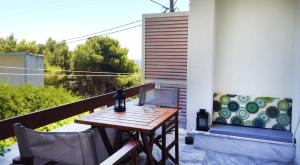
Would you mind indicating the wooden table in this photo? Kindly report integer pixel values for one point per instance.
(138, 120)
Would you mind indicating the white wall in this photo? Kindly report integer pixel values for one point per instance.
(239, 47)
(296, 91)
(36, 62)
(200, 58)
(22, 60)
(12, 61)
(254, 47)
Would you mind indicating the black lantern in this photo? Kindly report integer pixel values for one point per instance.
(202, 120)
(119, 99)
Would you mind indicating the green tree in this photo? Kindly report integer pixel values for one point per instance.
(24, 46)
(56, 54)
(102, 54)
(10, 44)
(54, 76)
(98, 54)
(56, 58)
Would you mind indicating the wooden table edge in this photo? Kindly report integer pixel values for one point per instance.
(118, 127)
(150, 130)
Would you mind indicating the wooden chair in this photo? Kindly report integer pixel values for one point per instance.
(80, 148)
(163, 97)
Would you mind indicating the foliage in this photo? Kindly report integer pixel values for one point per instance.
(97, 54)
(129, 81)
(24, 46)
(56, 54)
(54, 76)
(10, 44)
(102, 54)
(18, 100)
(3, 150)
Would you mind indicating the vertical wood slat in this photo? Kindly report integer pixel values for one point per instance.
(165, 46)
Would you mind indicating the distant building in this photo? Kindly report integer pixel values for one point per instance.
(21, 68)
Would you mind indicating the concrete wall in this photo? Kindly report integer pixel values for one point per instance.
(12, 61)
(37, 64)
(254, 47)
(200, 58)
(296, 91)
(239, 47)
(25, 68)
(244, 47)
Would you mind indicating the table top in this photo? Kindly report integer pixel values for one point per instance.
(135, 118)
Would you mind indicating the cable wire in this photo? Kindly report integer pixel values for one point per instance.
(175, 2)
(160, 4)
(103, 34)
(72, 71)
(87, 35)
(82, 75)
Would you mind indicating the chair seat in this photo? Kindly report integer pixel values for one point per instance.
(72, 127)
(249, 132)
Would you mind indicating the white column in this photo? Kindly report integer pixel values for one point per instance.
(296, 91)
(200, 67)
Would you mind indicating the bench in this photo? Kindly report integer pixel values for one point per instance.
(265, 118)
(256, 133)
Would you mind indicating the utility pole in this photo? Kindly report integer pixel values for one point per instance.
(172, 6)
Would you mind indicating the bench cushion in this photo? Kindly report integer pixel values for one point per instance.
(248, 132)
(252, 111)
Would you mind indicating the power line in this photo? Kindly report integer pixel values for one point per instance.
(82, 75)
(160, 4)
(8, 67)
(175, 2)
(171, 7)
(87, 35)
(176, 8)
(73, 71)
(103, 34)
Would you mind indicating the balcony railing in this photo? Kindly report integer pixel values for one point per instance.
(44, 117)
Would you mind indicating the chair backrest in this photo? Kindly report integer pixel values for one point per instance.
(163, 97)
(63, 147)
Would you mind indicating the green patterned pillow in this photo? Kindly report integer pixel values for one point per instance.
(259, 112)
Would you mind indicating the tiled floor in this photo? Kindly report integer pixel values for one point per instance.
(189, 154)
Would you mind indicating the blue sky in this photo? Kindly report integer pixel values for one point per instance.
(62, 19)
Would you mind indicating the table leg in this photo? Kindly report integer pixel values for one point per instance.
(176, 139)
(118, 140)
(148, 146)
(106, 141)
(164, 152)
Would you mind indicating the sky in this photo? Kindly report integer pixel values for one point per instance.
(37, 20)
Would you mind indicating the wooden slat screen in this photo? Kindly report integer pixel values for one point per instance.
(166, 47)
(166, 42)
